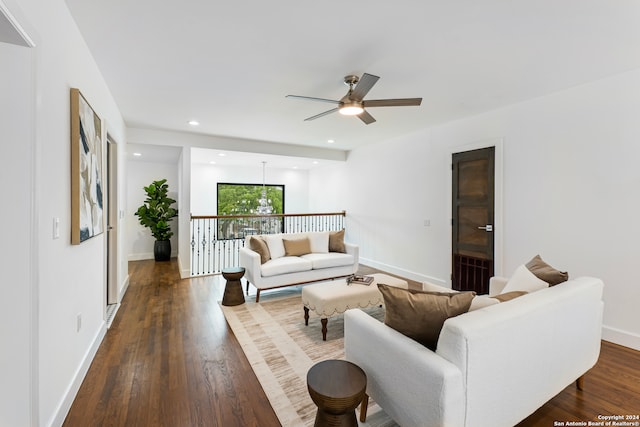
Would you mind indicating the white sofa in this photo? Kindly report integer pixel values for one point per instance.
(492, 367)
(282, 270)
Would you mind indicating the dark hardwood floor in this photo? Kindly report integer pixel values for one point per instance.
(170, 359)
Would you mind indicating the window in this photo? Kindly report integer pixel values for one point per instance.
(243, 199)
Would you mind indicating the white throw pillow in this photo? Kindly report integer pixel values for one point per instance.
(482, 301)
(523, 280)
(319, 242)
(275, 244)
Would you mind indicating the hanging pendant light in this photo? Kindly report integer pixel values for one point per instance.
(264, 204)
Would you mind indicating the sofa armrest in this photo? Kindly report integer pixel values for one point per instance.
(250, 260)
(353, 250)
(497, 284)
(414, 385)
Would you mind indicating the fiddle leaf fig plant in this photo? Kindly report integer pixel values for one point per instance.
(156, 212)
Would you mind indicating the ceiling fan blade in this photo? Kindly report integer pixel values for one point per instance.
(317, 116)
(310, 98)
(403, 102)
(363, 86)
(366, 118)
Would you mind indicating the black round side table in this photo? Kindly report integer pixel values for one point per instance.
(233, 289)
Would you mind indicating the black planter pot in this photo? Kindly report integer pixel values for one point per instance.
(162, 250)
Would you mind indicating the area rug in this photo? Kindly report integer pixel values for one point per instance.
(281, 349)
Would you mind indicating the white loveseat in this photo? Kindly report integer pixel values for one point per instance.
(282, 270)
(492, 367)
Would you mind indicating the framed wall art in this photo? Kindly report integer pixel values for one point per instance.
(87, 218)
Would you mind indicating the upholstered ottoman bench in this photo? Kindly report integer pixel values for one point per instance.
(334, 297)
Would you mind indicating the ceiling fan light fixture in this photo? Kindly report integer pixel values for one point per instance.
(351, 109)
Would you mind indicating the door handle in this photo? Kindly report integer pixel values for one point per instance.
(486, 228)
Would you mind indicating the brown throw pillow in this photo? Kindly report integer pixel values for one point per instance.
(296, 247)
(258, 245)
(336, 241)
(544, 271)
(420, 315)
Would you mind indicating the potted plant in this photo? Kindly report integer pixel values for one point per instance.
(155, 214)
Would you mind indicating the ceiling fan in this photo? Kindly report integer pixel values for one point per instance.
(353, 103)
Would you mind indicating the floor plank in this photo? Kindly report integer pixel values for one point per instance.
(170, 359)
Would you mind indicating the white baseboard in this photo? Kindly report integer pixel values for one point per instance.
(145, 255)
(618, 336)
(123, 291)
(185, 273)
(71, 392)
(140, 256)
(404, 273)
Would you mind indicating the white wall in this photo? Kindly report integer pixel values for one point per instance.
(140, 174)
(570, 189)
(205, 177)
(68, 280)
(16, 262)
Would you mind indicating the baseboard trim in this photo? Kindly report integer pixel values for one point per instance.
(140, 256)
(123, 291)
(146, 255)
(72, 390)
(185, 273)
(621, 337)
(402, 272)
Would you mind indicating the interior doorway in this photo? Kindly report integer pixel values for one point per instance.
(112, 228)
(473, 215)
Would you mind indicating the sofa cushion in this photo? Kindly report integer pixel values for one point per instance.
(296, 247)
(544, 271)
(276, 247)
(524, 280)
(482, 301)
(420, 315)
(328, 260)
(508, 296)
(319, 242)
(285, 265)
(257, 244)
(336, 241)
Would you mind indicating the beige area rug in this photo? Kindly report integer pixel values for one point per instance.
(281, 349)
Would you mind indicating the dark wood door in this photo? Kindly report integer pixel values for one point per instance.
(473, 214)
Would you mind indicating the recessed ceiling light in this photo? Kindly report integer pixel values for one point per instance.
(137, 154)
(212, 162)
(331, 141)
(221, 154)
(194, 122)
(315, 162)
(295, 167)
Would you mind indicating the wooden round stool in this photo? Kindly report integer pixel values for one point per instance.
(233, 289)
(337, 387)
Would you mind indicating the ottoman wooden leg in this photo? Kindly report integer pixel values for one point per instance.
(306, 316)
(324, 328)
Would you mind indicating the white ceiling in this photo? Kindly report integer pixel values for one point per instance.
(229, 64)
